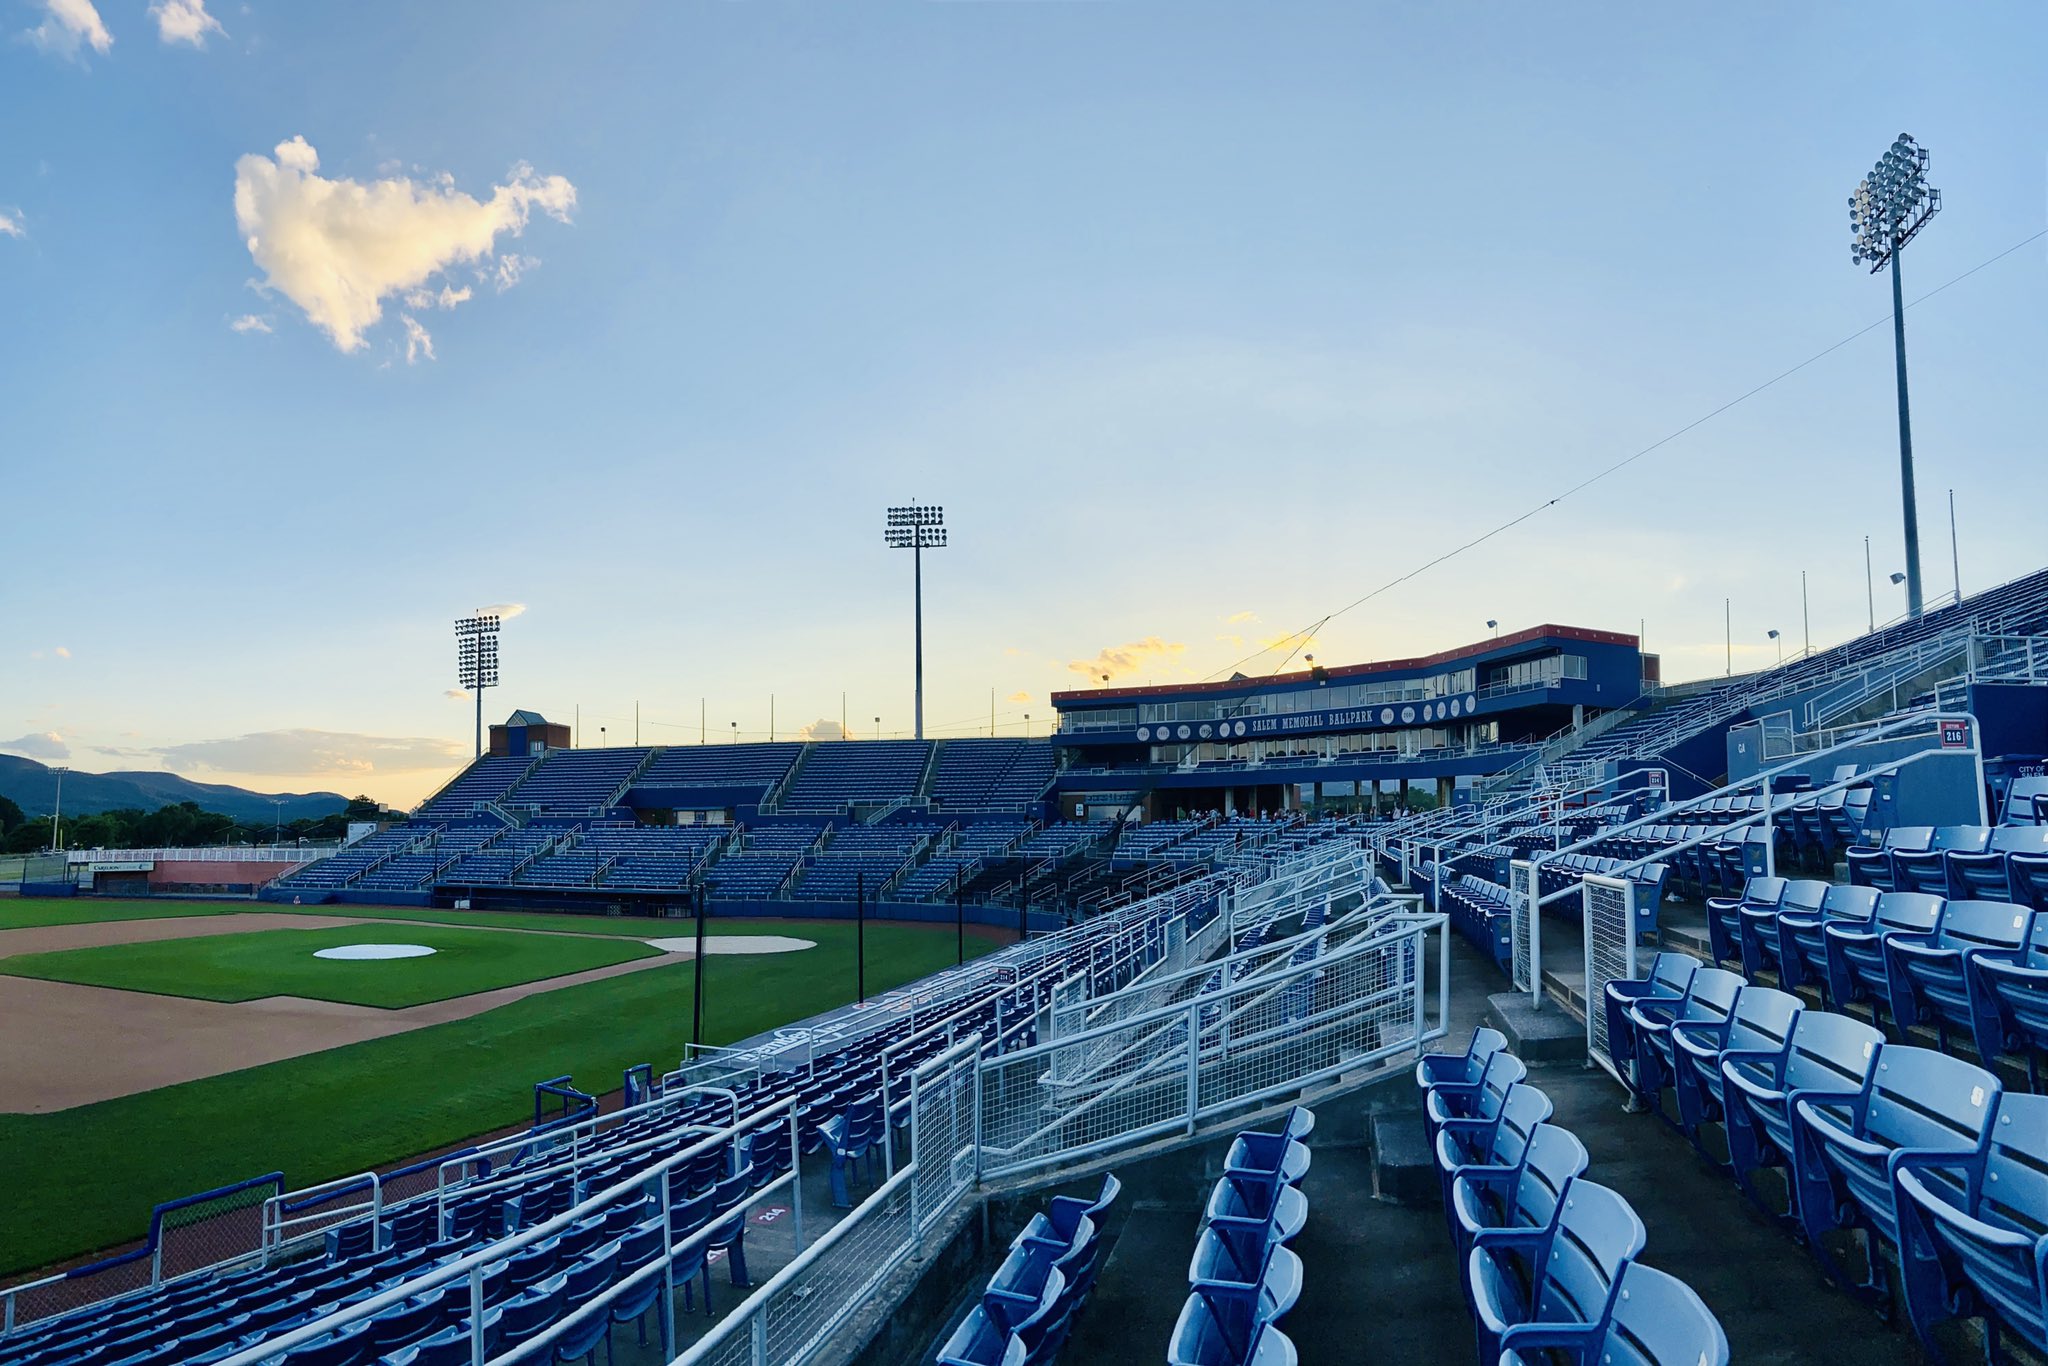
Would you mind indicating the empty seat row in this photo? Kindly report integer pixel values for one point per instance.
(1977, 968)
(1028, 1307)
(2001, 863)
(1922, 1158)
(1244, 1277)
(1548, 1259)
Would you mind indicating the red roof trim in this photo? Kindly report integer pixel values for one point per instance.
(1534, 633)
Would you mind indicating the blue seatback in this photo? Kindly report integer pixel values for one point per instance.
(1658, 1320)
(1803, 896)
(1554, 1158)
(1763, 1021)
(1829, 1053)
(1924, 1099)
(1571, 1275)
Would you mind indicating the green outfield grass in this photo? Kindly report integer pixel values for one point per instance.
(84, 1179)
(247, 967)
(30, 912)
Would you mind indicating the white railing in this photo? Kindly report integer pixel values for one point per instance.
(221, 853)
(1530, 899)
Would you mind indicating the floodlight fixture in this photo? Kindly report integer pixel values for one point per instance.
(1898, 578)
(1887, 210)
(916, 527)
(476, 661)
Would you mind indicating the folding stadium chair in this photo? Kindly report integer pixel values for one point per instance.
(1974, 1237)
(1757, 926)
(1987, 874)
(1486, 1199)
(1709, 998)
(1926, 870)
(1855, 954)
(1802, 953)
(636, 1250)
(1917, 1108)
(1758, 1029)
(1498, 1144)
(2008, 996)
(1466, 1100)
(1225, 1335)
(1724, 915)
(990, 1327)
(1440, 1069)
(1872, 866)
(588, 1279)
(1279, 1210)
(1255, 1154)
(1668, 976)
(1653, 1319)
(1566, 1274)
(1827, 1056)
(1926, 974)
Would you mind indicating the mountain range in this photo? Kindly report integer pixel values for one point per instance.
(33, 786)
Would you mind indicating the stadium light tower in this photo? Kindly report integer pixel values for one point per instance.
(1887, 211)
(476, 662)
(917, 528)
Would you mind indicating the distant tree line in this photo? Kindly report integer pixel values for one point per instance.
(182, 825)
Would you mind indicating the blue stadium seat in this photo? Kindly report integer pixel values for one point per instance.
(1282, 1155)
(2009, 1000)
(1653, 1319)
(1975, 1235)
(1279, 1210)
(1724, 915)
(1497, 1142)
(1987, 874)
(1916, 1108)
(1802, 950)
(1828, 1055)
(1523, 1197)
(1927, 974)
(1855, 953)
(1668, 976)
(1709, 998)
(1872, 866)
(1757, 926)
(1756, 1032)
(1562, 1275)
(1461, 1100)
(1226, 1335)
(1926, 870)
(1453, 1069)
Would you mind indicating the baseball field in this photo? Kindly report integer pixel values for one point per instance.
(153, 1050)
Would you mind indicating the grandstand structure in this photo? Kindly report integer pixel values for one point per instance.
(1797, 919)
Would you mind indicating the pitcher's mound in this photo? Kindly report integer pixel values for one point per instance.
(735, 943)
(358, 952)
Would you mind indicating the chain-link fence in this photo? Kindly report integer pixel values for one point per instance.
(786, 1321)
(1523, 900)
(199, 1232)
(942, 1131)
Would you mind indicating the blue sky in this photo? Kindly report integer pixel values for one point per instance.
(1201, 321)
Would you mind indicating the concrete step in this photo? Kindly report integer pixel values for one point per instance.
(1545, 1035)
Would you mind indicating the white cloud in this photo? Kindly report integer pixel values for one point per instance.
(456, 695)
(418, 342)
(184, 21)
(1118, 661)
(63, 652)
(504, 611)
(46, 745)
(338, 248)
(68, 26)
(277, 753)
(11, 223)
(821, 729)
(1020, 697)
(250, 322)
(446, 299)
(511, 266)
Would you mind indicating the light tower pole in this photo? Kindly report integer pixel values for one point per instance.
(917, 527)
(476, 662)
(1887, 211)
